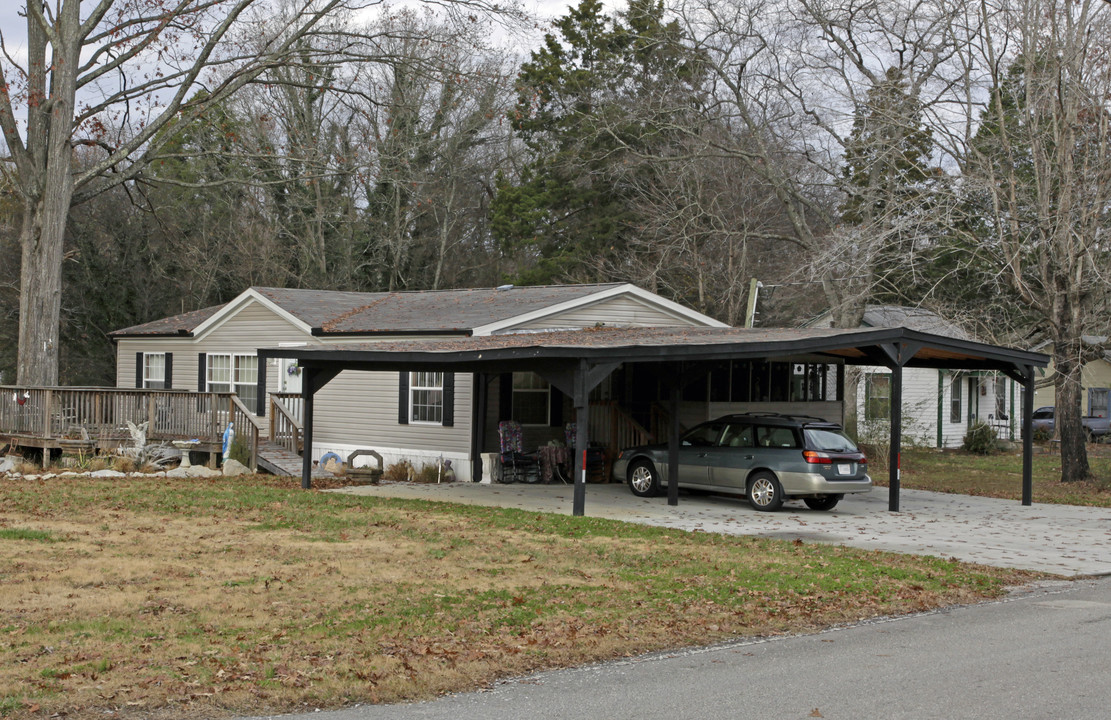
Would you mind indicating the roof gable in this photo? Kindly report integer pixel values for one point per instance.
(472, 311)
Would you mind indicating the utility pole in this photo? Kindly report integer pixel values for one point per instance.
(753, 290)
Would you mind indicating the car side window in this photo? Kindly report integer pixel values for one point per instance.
(738, 436)
(775, 437)
(703, 436)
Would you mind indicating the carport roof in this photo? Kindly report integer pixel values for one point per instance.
(860, 346)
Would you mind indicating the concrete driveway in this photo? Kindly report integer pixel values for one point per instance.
(1065, 540)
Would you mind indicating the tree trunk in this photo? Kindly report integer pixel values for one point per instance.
(40, 296)
(1074, 450)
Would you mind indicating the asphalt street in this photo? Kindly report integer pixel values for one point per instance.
(1040, 653)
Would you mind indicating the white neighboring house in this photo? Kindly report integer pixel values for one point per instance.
(938, 405)
(420, 416)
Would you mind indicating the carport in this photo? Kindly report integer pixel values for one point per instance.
(575, 361)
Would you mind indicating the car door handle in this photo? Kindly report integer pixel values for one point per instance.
(749, 457)
(702, 455)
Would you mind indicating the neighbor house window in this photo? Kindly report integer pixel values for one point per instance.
(877, 396)
(426, 397)
(531, 394)
(154, 370)
(955, 415)
(234, 373)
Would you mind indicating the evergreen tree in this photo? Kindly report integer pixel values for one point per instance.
(579, 110)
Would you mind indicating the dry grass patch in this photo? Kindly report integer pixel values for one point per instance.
(200, 598)
(1000, 475)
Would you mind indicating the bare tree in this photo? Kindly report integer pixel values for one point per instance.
(1037, 171)
(121, 77)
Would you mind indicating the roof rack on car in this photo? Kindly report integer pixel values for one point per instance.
(784, 416)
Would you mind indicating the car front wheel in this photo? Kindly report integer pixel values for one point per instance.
(643, 480)
(764, 492)
(827, 502)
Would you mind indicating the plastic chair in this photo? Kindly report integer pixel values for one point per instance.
(514, 464)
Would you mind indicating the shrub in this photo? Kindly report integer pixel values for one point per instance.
(402, 471)
(980, 439)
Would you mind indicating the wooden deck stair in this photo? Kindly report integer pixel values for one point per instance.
(275, 459)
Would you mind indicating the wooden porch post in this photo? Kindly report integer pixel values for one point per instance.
(582, 430)
(1028, 437)
(673, 446)
(307, 399)
(893, 460)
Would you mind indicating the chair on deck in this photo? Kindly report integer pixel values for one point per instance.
(514, 464)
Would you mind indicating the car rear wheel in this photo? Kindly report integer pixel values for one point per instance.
(643, 480)
(826, 502)
(764, 492)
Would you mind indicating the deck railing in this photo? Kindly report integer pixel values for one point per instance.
(285, 424)
(248, 427)
(613, 427)
(100, 415)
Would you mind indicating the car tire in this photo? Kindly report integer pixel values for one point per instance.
(644, 481)
(764, 492)
(826, 502)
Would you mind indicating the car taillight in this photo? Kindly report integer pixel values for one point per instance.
(816, 458)
(863, 460)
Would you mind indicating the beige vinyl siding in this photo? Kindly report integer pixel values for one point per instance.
(620, 311)
(360, 408)
(1096, 374)
(252, 327)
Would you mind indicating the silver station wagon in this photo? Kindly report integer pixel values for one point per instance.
(767, 457)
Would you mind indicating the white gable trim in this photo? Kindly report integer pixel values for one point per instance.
(667, 306)
(244, 299)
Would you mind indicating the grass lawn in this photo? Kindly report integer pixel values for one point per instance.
(194, 598)
(999, 475)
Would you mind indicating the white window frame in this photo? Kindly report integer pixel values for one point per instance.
(233, 372)
(426, 398)
(148, 377)
(546, 390)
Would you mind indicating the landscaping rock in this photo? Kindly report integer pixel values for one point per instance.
(10, 463)
(233, 468)
(193, 471)
(107, 474)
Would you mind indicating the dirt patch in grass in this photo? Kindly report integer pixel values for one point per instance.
(1000, 475)
(163, 598)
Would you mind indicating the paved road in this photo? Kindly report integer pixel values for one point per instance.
(1040, 654)
(1061, 539)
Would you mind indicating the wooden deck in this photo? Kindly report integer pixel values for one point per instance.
(96, 419)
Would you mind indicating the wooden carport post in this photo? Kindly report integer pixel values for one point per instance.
(582, 428)
(1028, 437)
(313, 379)
(897, 355)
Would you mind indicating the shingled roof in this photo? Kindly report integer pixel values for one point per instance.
(333, 312)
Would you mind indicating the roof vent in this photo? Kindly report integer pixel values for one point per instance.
(503, 288)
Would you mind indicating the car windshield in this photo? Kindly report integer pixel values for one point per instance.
(828, 440)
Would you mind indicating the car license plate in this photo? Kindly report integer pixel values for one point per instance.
(844, 469)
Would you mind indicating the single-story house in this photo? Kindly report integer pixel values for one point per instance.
(939, 404)
(421, 417)
(429, 375)
(1095, 382)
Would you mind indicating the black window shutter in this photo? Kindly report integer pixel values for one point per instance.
(505, 396)
(169, 371)
(202, 372)
(138, 369)
(403, 398)
(449, 400)
(555, 407)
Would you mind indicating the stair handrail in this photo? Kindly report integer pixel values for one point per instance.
(245, 421)
(285, 429)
